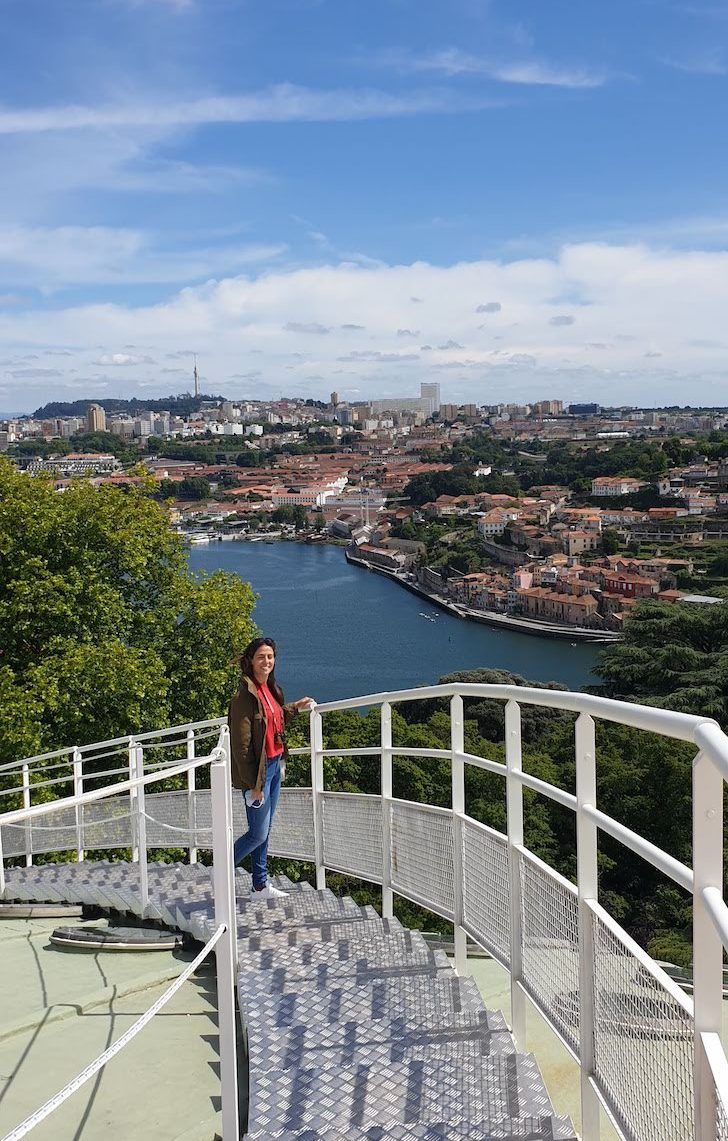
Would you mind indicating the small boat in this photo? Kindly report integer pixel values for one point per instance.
(429, 617)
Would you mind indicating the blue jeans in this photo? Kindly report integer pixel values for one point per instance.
(254, 842)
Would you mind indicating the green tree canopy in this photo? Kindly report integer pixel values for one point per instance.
(674, 656)
(103, 630)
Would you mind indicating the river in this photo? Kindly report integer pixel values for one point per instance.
(342, 631)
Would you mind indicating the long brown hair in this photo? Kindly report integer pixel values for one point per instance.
(246, 665)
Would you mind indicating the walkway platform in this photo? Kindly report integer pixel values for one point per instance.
(354, 1027)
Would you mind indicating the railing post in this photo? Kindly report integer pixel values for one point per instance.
(457, 766)
(2, 866)
(226, 952)
(514, 813)
(386, 786)
(588, 888)
(707, 944)
(191, 807)
(317, 788)
(133, 805)
(78, 791)
(28, 825)
(141, 832)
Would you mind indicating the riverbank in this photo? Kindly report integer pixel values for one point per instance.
(490, 617)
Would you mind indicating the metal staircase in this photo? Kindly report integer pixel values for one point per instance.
(354, 1026)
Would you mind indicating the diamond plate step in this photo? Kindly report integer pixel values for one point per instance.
(543, 1128)
(497, 1087)
(468, 1038)
(372, 944)
(340, 910)
(324, 932)
(413, 999)
(279, 980)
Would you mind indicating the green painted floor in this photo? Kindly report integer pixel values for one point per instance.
(60, 1009)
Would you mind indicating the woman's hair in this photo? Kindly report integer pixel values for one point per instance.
(246, 665)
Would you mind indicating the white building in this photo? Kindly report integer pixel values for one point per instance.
(616, 485)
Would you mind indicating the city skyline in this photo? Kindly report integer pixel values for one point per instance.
(505, 200)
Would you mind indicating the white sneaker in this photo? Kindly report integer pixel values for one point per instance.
(268, 892)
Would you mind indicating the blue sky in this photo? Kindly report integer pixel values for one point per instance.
(272, 183)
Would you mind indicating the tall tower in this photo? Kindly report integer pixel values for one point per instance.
(431, 392)
(197, 378)
(334, 400)
(95, 418)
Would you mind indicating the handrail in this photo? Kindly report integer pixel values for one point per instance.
(651, 718)
(130, 738)
(107, 791)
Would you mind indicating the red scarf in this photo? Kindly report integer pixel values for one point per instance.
(273, 720)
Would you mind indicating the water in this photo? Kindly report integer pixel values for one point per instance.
(342, 631)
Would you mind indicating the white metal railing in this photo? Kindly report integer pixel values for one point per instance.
(647, 1052)
(630, 1026)
(224, 940)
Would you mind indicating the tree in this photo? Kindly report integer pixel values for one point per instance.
(193, 487)
(610, 542)
(103, 629)
(674, 656)
(295, 515)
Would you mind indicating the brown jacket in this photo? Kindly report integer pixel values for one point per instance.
(247, 721)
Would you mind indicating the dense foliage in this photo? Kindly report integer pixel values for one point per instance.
(177, 405)
(103, 630)
(674, 656)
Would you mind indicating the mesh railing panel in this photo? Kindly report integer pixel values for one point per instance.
(168, 819)
(486, 907)
(422, 855)
(643, 1045)
(550, 951)
(352, 829)
(105, 824)
(293, 832)
(14, 842)
(721, 1122)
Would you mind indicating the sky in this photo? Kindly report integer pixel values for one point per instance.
(519, 199)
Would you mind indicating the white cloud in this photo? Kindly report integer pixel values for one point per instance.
(711, 61)
(122, 359)
(50, 258)
(644, 300)
(453, 62)
(284, 103)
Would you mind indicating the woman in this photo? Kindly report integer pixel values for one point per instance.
(256, 717)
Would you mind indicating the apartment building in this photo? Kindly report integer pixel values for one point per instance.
(616, 485)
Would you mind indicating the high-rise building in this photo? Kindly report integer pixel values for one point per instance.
(334, 399)
(95, 418)
(431, 391)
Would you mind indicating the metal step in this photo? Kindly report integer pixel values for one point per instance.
(547, 1127)
(414, 1000)
(324, 932)
(467, 1038)
(496, 1087)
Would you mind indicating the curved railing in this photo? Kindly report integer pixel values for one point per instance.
(648, 1052)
